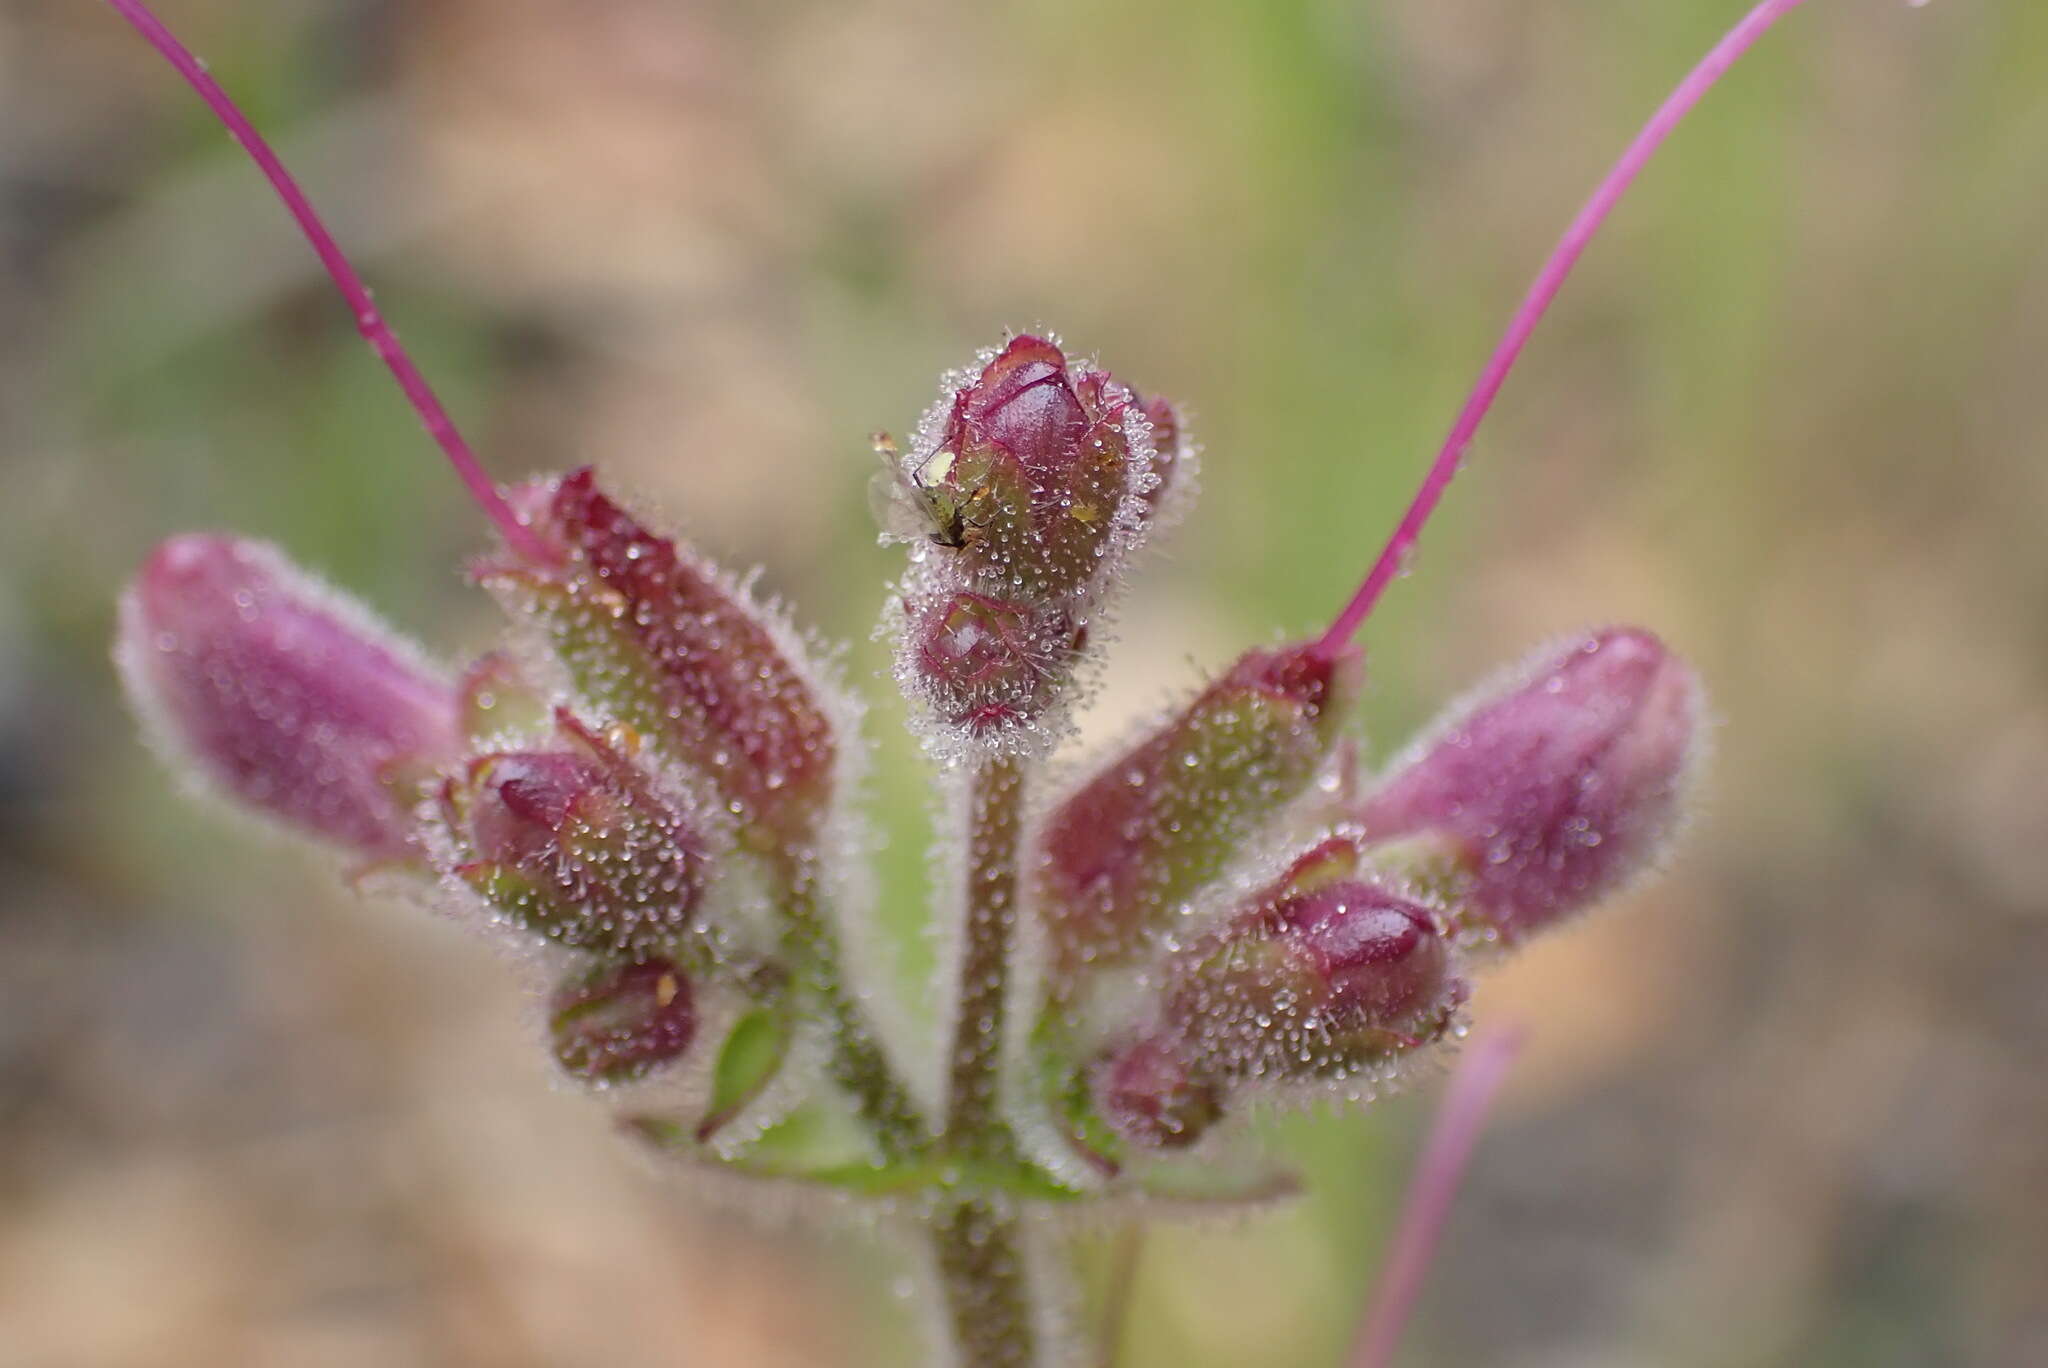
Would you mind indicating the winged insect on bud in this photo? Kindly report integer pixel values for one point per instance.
(1027, 486)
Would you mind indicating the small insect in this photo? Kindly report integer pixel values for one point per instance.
(913, 504)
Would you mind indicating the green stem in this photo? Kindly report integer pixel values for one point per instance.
(859, 1063)
(987, 1288)
(995, 825)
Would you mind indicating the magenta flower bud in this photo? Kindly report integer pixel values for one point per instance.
(1556, 787)
(982, 660)
(1038, 458)
(575, 843)
(1316, 983)
(659, 639)
(1027, 487)
(290, 698)
(1118, 857)
(1152, 1097)
(620, 1022)
(1024, 405)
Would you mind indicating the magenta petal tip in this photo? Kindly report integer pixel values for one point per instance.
(286, 696)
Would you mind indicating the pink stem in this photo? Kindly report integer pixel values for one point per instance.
(1534, 304)
(1444, 1156)
(369, 322)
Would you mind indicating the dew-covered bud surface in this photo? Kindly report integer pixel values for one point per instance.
(289, 697)
(1554, 785)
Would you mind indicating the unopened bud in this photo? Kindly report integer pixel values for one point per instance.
(289, 697)
(1118, 857)
(1171, 457)
(621, 1022)
(575, 843)
(1152, 1097)
(1554, 788)
(1314, 984)
(659, 639)
(1027, 488)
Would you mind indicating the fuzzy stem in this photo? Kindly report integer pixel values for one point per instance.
(1534, 304)
(369, 322)
(1444, 1156)
(995, 826)
(986, 1287)
(859, 1063)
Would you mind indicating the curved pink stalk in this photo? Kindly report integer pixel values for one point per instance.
(369, 322)
(1534, 304)
(1444, 1156)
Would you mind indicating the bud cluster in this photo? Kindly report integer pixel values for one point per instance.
(649, 792)
(1220, 911)
(1026, 489)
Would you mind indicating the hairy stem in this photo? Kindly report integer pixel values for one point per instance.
(1537, 302)
(369, 322)
(859, 1064)
(995, 824)
(986, 1287)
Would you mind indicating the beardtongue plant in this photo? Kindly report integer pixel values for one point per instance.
(654, 791)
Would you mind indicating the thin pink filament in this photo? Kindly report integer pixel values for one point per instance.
(369, 322)
(1534, 304)
(1444, 1157)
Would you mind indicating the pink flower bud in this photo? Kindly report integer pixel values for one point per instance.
(1038, 458)
(983, 661)
(290, 698)
(1152, 1097)
(1024, 493)
(1118, 857)
(660, 640)
(1024, 405)
(1555, 787)
(1315, 983)
(621, 1022)
(575, 843)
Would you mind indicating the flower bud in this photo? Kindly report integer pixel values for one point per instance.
(286, 695)
(576, 844)
(1152, 1097)
(1556, 786)
(1025, 491)
(659, 640)
(1037, 457)
(1315, 983)
(1118, 857)
(982, 660)
(620, 1022)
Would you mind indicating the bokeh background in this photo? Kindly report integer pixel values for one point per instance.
(1787, 1106)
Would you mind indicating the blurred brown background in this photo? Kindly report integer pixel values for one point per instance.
(1785, 1107)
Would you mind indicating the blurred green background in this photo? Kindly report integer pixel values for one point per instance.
(1785, 1106)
